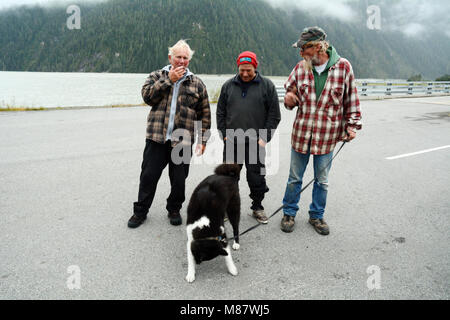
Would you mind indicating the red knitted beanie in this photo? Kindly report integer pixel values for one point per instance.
(247, 57)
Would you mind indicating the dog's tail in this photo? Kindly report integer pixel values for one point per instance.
(228, 169)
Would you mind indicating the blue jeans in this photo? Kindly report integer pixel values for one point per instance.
(291, 198)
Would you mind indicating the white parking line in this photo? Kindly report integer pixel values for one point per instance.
(415, 153)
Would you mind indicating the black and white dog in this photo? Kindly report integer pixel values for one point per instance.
(214, 196)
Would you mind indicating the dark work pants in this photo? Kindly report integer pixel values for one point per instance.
(254, 156)
(156, 158)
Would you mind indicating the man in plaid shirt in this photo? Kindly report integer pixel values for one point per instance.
(178, 99)
(323, 88)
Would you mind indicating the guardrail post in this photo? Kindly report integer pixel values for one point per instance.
(280, 93)
(410, 88)
(364, 89)
(388, 88)
(430, 88)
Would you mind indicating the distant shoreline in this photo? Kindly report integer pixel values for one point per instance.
(197, 74)
(362, 98)
(70, 108)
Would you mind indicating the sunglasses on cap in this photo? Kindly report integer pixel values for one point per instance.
(245, 59)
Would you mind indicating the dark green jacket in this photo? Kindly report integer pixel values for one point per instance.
(320, 80)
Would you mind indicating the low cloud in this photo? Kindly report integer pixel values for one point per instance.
(9, 4)
(417, 18)
(413, 29)
(338, 9)
(413, 18)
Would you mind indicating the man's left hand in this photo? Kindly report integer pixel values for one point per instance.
(350, 135)
(200, 149)
(262, 143)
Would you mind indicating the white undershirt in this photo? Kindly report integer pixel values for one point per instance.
(321, 68)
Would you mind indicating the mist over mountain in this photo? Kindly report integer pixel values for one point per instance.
(415, 18)
(133, 35)
(8, 4)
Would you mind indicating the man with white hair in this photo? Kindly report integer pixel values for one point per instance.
(178, 99)
(323, 88)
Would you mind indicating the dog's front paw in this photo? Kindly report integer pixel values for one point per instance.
(233, 270)
(190, 277)
(236, 246)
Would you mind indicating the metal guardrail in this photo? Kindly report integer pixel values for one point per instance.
(367, 88)
(397, 88)
(281, 92)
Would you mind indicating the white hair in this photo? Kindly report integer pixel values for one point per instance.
(181, 44)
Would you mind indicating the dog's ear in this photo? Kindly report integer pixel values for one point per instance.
(222, 252)
(228, 169)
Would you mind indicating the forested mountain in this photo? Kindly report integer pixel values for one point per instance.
(133, 36)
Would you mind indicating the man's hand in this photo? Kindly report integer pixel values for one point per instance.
(176, 74)
(291, 100)
(200, 149)
(351, 134)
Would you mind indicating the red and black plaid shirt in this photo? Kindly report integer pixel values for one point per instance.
(323, 122)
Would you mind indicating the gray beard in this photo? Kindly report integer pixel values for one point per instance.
(309, 63)
(315, 61)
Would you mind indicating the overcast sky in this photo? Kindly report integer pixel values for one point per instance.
(4, 4)
(10, 3)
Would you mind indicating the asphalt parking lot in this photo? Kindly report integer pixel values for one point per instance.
(68, 179)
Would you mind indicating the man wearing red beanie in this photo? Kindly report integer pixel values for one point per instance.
(248, 113)
(247, 57)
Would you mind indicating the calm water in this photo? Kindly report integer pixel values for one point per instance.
(58, 89)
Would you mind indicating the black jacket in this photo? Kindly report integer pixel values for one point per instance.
(251, 105)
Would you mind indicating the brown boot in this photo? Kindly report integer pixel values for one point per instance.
(287, 223)
(320, 226)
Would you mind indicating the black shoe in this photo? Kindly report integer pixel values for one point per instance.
(175, 218)
(135, 221)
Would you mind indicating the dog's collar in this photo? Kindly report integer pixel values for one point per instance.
(218, 238)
